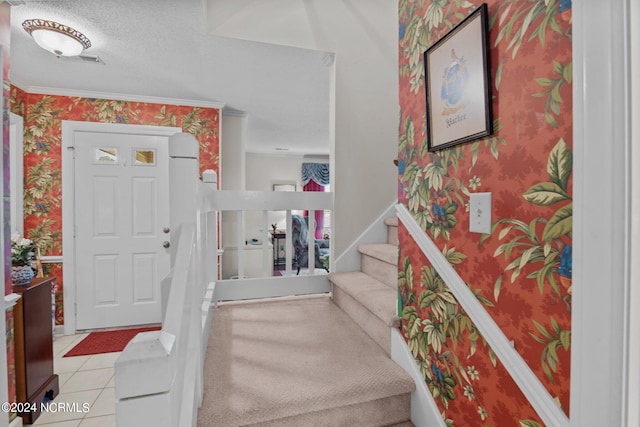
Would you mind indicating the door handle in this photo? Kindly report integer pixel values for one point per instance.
(166, 244)
(166, 230)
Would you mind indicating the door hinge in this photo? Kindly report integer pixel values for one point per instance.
(75, 308)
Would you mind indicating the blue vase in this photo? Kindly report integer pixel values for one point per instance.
(22, 275)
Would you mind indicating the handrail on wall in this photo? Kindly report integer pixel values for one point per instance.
(535, 392)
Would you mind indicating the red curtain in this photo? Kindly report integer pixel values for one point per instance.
(314, 186)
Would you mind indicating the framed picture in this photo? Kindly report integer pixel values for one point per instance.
(284, 187)
(457, 84)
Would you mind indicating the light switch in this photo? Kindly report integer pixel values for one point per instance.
(480, 213)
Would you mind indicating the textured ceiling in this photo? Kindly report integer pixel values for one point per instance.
(160, 48)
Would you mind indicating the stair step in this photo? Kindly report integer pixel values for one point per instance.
(298, 361)
(380, 260)
(378, 298)
(370, 303)
(392, 230)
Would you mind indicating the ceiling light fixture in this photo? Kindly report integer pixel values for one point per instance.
(58, 39)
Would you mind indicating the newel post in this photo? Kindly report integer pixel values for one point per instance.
(183, 183)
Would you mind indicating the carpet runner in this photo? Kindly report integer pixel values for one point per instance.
(106, 341)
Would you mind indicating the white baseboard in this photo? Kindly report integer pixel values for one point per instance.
(17, 422)
(424, 411)
(58, 331)
(349, 260)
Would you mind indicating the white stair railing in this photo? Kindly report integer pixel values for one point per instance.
(267, 285)
(159, 374)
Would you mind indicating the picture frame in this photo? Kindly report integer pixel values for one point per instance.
(284, 186)
(457, 84)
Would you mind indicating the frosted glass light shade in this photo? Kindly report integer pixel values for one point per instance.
(57, 43)
(58, 39)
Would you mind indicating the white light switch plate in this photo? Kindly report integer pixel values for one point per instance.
(480, 213)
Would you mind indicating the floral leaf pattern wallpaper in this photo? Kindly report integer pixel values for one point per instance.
(5, 42)
(43, 156)
(521, 271)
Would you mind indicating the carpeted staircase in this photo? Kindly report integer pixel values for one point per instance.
(311, 361)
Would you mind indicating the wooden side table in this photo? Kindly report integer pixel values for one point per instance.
(33, 334)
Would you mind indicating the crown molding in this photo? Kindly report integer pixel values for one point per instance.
(115, 96)
(20, 85)
(233, 112)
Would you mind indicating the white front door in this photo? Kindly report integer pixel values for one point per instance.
(121, 208)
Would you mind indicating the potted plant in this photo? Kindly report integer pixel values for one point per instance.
(22, 255)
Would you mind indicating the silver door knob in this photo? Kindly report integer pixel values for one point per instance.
(166, 244)
(166, 230)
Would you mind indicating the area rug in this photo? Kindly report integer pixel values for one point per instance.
(106, 341)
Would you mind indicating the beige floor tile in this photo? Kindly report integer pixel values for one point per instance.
(68, 364)
(82, 400)
(108, 421)
(61, 348)
(67, 339)
(72, 423)
(105, 404)
(64, 377)
(88, 380)
(99, 361)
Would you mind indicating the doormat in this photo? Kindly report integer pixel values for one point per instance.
(106, 341)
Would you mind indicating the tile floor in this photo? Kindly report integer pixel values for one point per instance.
(84, 380)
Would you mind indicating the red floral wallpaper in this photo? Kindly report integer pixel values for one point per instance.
(5, 42)
(521, 271)
(43, 156)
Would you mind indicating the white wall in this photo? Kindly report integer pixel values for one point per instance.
(364, 36)
(233, 130)
(633, 398)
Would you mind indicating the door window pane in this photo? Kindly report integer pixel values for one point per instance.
(145, 157)
(106, 155)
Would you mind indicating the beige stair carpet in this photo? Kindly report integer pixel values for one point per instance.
(298, 362)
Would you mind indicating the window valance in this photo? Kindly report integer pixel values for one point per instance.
(319, 172)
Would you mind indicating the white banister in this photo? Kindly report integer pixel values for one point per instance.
(151, 370)
(159, 375)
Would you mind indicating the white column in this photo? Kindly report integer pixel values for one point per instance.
(183, 182)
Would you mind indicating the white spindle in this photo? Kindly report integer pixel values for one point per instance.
(265, 244)
(288, 244)
(312, 241)
(240, 243)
